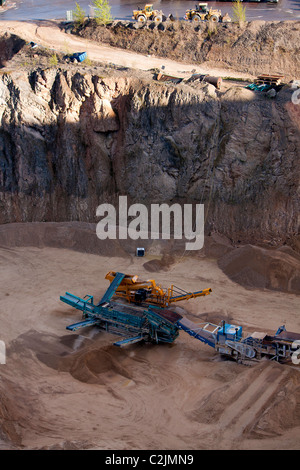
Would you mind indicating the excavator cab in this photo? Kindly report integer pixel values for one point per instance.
(149, 8)
(202, 7)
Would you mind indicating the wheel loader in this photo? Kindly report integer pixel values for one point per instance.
(201, 12)
(148, 13)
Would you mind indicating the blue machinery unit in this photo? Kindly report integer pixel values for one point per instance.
(156, 324)
(135, 323)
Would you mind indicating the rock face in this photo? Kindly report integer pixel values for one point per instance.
(70, 141)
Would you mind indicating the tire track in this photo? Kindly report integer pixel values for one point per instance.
(239, 416)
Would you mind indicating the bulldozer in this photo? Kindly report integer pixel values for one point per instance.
(148, 13)
(201, 12)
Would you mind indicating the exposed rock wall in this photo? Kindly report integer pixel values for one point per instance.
(69, 141)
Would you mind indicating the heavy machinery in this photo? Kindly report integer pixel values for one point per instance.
(148, 13)
(136, 323)
(228, 341)
(154, 323)
(148, 292)
(201, 12)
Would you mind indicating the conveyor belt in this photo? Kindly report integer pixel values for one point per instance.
(197, 332)
(130, 340)
(82, 324)
(188, 295)
(77, 302)
(112, 288)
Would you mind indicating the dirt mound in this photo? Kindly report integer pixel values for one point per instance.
(9, 416)
(156, 265)
(246, 402)
(223, 46)
(86, 360)
(96, 365)
(77, 236)
(217, 245)
(81, 236)
(283, 411)
(255, 267)
(10, 44)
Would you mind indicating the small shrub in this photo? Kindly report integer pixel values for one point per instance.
(102, 12)
(79, 15)
(53, 60)
(239, 12)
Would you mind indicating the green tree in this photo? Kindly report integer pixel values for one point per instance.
(102, 11)
(239, 12)
(79, 15)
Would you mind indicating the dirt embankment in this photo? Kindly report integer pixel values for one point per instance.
(252, 267)
(255, 47)
(10, 44)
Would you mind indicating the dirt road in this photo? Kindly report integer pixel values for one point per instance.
(48, 34)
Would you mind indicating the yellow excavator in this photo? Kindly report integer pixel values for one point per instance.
(148, 292)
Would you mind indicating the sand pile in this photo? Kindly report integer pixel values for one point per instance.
(234, 403)
(78, 355)
(81, 236)
(9, 415)
(255, 267)
(77, 236)
(162, 264)
(89, 381)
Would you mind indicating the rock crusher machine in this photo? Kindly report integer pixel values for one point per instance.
(140, 316)
(136, 322)
(148, 292)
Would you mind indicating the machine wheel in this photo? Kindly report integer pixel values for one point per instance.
(158, 19)
(141, 19)
(196, 19)
(214, 19)
(236, 356)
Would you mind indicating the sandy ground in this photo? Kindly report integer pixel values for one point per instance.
(48, 34)
(65, 390)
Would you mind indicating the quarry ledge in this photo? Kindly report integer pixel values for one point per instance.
(95, 132)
